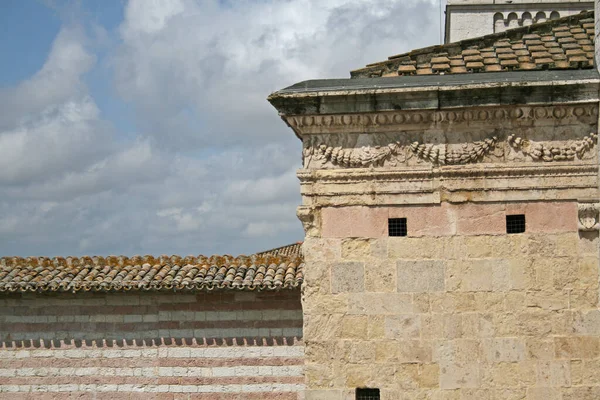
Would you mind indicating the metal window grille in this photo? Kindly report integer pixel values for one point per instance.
(397, 227)
(515, 223)
(367, 394)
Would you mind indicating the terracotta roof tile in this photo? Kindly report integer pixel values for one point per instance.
(278, 269)
(548, 44)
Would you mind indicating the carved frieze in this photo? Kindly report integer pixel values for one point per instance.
(548, 152)
(589, 214)
(409, 120)
(441, 155)
(388, 150)
(366, 156)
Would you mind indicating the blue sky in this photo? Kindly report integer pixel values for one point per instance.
(142, 126)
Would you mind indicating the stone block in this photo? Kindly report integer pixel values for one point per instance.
(359, 222)
(362, 351)
(333, 394)
(429, 376)
(480, 219)
(577, 347)
(547, 216)
(421, 303)
(503, 350)
(442, 302)
(325, 304)
(510, 374)
(356, 249)
(406, 376)
(376, 328)
(380, 276)
(431, 326)
(387, 351)
(348, 277)
(414, 351)
(581, 393)
(587, 323)
(421, 276)
(543, 393)
(585, 372)
(318, 376)
(478, 246)
(379, 248)
(358, 375)
(540, 349)
(380, 304)
(459, 375)
(460, 351)
(414, 248)
(354, 327)
(547, 300)
(403, 326)
(553, 373)
(470, 275)
(320, 249)
(322, 326)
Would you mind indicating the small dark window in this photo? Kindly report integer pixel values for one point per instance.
(367, 394)
(515, 223)
(397, 227)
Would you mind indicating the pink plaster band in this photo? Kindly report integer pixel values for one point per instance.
(449, 219)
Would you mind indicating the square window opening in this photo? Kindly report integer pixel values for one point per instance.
(397, 227)
(515, 223)
(367, 394)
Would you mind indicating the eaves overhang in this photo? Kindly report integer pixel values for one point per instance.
(338, 96)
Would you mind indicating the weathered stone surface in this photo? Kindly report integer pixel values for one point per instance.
(458, 309)
(420, 276)
(348, 277)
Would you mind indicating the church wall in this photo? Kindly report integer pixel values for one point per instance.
(218, 345)
(458, 309)
(470, 19)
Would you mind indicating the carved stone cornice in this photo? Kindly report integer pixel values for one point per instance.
(310, 220)
(589, 217)
(386, 121)
(433, 184)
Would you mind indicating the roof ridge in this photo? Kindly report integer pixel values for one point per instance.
(291, 245)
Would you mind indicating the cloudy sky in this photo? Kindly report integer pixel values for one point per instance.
(142, 126)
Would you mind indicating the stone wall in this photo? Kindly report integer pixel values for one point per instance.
(224, 345)
(473, 18)
(459, 309)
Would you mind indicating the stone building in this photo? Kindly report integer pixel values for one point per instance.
(466, 19)
(450, 204)
(450, 201)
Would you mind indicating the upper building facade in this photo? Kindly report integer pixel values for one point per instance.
(466, 19)
(451, 206)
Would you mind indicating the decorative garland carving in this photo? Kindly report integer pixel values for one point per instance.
(589, 217)
(363, 157)
(439, 154)
(539, 151)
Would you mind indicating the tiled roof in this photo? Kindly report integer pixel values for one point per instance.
(148, 273)
(565, 43)
(291, 250)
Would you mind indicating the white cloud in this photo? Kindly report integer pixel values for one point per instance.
(210, 167)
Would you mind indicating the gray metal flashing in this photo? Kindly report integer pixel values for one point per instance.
(428, 81)
(339, 96)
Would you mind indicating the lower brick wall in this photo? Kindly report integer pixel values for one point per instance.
(152, 346)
